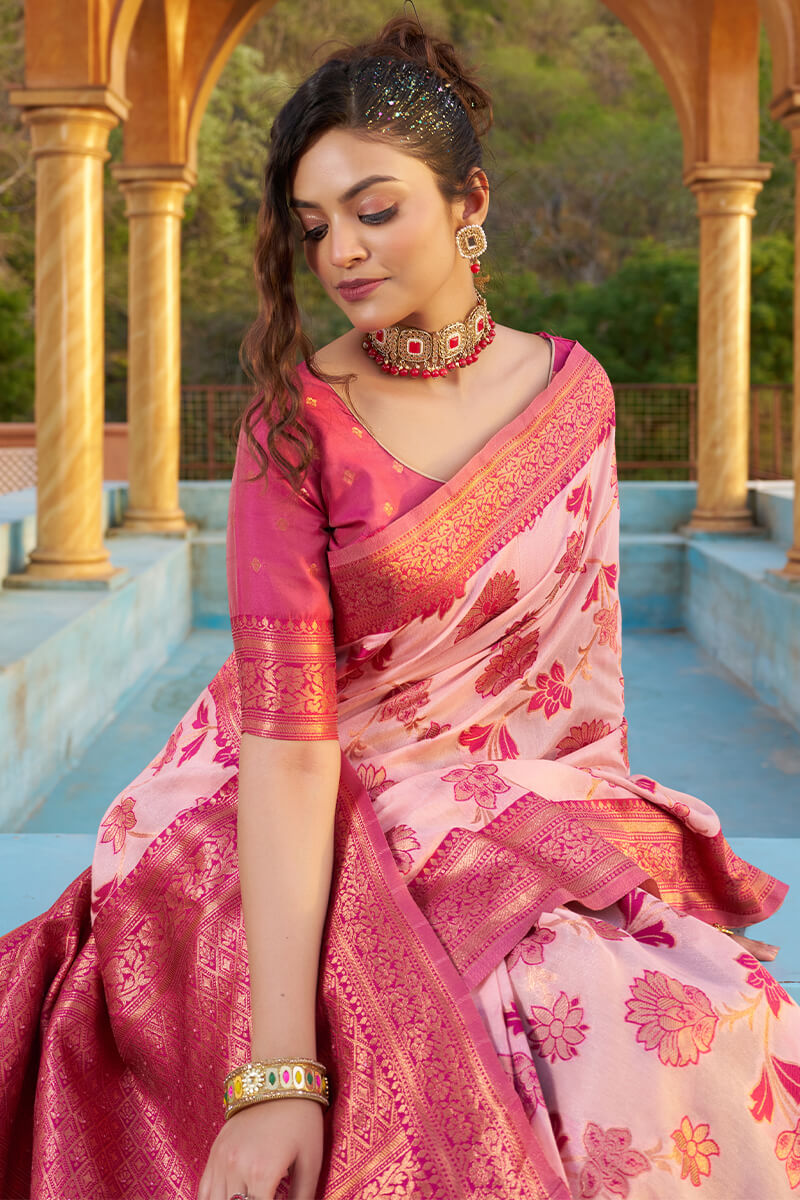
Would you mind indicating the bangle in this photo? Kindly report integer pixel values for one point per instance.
(723, 928)
(276, 1079)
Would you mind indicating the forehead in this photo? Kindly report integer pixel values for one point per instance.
(341, 158)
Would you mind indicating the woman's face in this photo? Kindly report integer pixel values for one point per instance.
(370, 212)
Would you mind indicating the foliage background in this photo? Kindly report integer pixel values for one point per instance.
(591, 233)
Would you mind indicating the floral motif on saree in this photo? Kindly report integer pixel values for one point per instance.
(513, 914)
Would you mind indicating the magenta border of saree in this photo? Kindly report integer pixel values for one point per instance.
(483, 890)
(146, 1011)
(424, 558)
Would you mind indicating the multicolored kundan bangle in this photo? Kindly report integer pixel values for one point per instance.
(278, 1079)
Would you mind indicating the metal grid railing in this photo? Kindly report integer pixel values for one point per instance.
(656, 431)
(208, 416)
(17, 468)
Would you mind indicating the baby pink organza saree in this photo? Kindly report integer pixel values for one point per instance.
(521, 993)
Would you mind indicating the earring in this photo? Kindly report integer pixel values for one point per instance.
(471, 243)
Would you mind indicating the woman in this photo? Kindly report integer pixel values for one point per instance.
(409, 786)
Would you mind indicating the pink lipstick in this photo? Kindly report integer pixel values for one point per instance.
(357, 289)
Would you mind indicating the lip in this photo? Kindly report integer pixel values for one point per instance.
(357, 289)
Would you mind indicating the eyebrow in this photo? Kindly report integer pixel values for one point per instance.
(351, 191)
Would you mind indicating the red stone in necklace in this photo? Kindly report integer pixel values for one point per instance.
(400, 350)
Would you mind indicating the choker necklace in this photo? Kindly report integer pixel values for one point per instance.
(400, 350)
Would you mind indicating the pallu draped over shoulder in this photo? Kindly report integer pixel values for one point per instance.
(522, 994)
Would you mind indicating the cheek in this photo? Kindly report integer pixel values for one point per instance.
(419, 240)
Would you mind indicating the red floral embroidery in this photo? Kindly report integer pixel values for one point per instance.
(648, 784)
(200, 722)
(403, 701)
(118, 822)
(512, 1018)
(402, 842)
(787, 1149)
(374, 780)
(576, 497)
(526, 1082)
(499, 594)
(611, 1162)
(479, 783)
(582, 735)
(694, 1149)
(168, 753)
(555, 1033)
(763, 1101)
(433, 731)
(570, 561)
(674, 1018)
(788, 1074)
(552, 693)
(102, 894)
(653, 934)
(607, 619)
(607, 573)
(517, 656)
(476, 737)
(531, 949)
(759, 977)
(227, 754)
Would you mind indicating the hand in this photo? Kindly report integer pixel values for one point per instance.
(260, 1144)
(762, 951)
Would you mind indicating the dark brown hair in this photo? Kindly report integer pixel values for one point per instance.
(341, 94)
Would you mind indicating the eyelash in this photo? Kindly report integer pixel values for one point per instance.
(318, 233)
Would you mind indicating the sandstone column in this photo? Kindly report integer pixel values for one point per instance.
(69, 147)
(791, 570)
(154, 207)
(725, 201)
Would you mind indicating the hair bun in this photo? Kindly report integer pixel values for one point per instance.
(404, 37)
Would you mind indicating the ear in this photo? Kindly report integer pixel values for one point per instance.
(475, 206)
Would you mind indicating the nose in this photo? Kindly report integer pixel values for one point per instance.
(346, 247)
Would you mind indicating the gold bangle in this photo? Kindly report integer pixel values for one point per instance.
(276, 1079)
(723, 928)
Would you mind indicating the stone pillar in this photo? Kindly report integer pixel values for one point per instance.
(69, 147)
(725, 201)
(791, 570)
(154, 197)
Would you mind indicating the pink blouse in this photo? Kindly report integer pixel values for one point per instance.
(277, 547)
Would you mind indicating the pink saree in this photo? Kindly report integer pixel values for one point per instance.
(518, 950)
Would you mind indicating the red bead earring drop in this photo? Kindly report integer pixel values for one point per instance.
(471, 243)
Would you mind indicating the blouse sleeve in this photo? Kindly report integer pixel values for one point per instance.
(279, 598)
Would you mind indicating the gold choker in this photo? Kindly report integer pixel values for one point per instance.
(400, 350)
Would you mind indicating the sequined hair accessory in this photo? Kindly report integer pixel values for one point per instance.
(276, 1079)
(415, 95)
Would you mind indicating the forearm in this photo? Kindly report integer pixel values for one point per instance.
(287, 798)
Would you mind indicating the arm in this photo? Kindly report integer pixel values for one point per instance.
(287, 798)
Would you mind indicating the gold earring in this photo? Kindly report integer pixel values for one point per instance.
(471, 243)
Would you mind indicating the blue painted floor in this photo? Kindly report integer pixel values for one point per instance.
(692, 726)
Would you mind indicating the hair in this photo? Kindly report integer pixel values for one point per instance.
(405, 86)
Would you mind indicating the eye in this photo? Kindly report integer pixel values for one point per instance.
(315, 234)
(378, 218)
